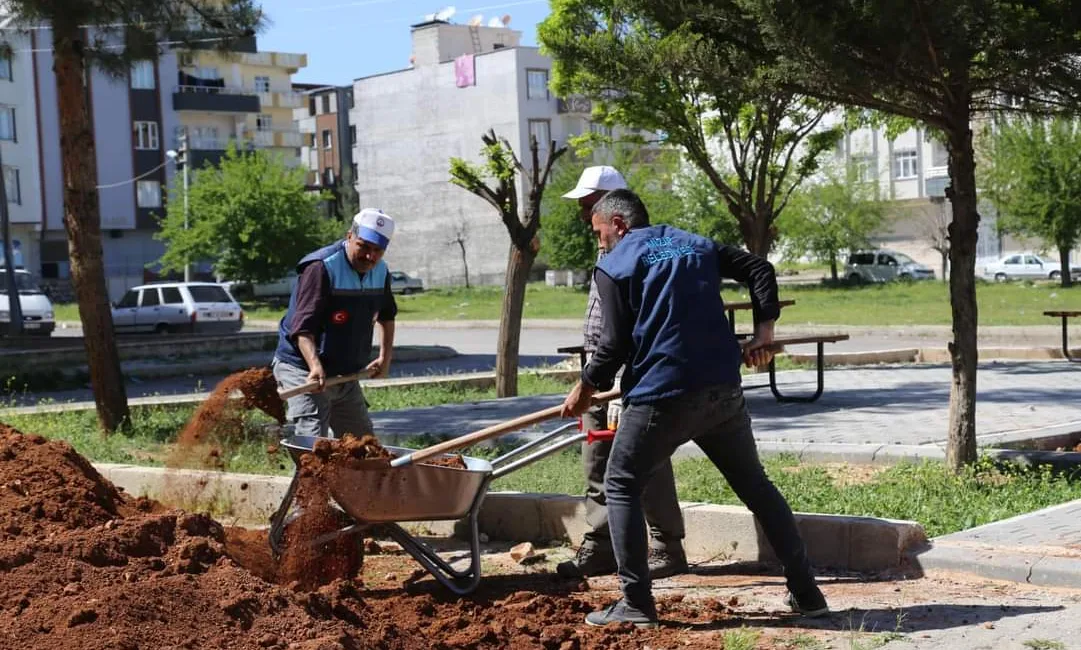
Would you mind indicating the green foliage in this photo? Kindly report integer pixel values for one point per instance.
(568, 241)
(838, 214)
(141, 24)
(647, 73)
(1031, 171)
(250, 214)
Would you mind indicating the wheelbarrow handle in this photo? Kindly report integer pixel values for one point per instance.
(314, 385)
(493, 431)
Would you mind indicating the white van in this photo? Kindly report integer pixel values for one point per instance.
(38, 318)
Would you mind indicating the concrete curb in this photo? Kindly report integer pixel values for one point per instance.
(998, 564)
(714, 532)
(927, 355)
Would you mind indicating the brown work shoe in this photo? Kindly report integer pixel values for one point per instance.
(592, 559)
(667, 561)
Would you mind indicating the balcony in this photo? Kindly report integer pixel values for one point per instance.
(215, 99)
(936, 180)
(274, 60)
(279, 99)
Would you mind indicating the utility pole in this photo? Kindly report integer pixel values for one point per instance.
(15, 308)
(182, 159)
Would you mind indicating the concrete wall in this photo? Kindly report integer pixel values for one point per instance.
(111, 114)
(409, 124)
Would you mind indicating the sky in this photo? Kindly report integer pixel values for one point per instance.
(347, 39)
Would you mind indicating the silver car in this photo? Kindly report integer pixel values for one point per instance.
(884, 266)
(188, 307)
(405, 284)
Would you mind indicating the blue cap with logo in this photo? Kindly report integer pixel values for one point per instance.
(374, 226)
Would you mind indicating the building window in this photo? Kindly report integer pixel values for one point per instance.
(353, 134)
(142, 75)
(149, 194)
(940, 156)
(863, 168)
(352, 101)
(262, 84)
(542, 131)
(536, 84)
(262, 122)
(328, 139)
(328, 176)
(11, 185)
(311, 105)
(600, 129)
(145, 135)
(5, 66)
(207, 73)
(326, 104)
(7, 123)
(353, 168)
(905, 164)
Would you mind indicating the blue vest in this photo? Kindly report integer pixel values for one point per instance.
(345, 344)
(681, 338)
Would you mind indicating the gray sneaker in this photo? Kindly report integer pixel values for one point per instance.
(667, 561)
(621, 612)
(590, 560)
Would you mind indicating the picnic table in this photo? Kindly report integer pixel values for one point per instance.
(1065, 316)
(733, 307)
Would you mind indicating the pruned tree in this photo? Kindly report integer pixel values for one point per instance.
(755, 140)
(936, 232)
(940, 62)
(110, 36)
(522, 220)
(459, 238)
(1031, 171)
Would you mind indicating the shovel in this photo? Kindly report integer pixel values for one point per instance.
(314, 385)
(493, 431)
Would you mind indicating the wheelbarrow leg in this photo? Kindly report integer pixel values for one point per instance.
(277, 520)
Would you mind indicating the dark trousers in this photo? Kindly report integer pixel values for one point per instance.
(660, 505)
(716, 419)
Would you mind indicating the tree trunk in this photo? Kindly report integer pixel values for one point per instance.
(1064, 264)
(757, 230)
(833, 267)
(945, 264)
(465, 263)
(964, 355)
(82, 220)
(519, 263)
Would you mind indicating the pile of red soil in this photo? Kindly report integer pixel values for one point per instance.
(220, 419)
(83, 566)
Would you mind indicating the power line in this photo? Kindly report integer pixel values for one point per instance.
(133, 180)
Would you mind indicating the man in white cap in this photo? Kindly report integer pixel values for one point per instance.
(659, 502)
(342, 290)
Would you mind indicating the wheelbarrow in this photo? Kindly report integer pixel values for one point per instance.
(408, 490)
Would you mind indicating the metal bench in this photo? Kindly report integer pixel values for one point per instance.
(1065, 316)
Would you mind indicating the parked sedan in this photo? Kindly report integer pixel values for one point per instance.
(191, 307)
(1026, 266)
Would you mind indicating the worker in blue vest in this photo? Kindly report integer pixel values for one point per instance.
(342, 291)
(664, 320)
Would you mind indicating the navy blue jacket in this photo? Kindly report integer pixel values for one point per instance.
(346, 319)
(664, 317)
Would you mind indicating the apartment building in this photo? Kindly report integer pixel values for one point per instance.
(326, 135)
(245, 96)
(463, 81)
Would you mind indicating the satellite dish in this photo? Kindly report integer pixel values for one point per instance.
(495, 22)
(446, 13)
(475, 21)
(505, 20)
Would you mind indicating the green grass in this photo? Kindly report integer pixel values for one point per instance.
(895, 303)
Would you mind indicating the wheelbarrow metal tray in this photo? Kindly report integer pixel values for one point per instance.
(380, 494)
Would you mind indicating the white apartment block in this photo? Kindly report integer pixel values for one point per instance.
(410, 123)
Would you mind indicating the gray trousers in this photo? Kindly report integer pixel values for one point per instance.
(342, 409)
(659, 501)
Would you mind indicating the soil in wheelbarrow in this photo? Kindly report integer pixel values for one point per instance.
(221, 417)
(82, 565)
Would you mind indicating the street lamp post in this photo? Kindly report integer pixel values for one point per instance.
(183, 160)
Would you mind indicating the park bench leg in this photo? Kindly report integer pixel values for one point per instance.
(791, 398)
(1065, 341)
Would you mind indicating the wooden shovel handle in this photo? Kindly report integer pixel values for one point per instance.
(493, 431)
(314, 385)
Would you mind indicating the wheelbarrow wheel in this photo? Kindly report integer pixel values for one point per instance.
(315, 551)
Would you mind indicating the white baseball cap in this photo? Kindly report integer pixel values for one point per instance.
(601, 178)
(374, 226)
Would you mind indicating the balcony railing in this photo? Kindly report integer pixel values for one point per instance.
(274, 59)
(215, 99)
(281, 99)
(574, 104)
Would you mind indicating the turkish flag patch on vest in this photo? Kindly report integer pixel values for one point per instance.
(340, 317)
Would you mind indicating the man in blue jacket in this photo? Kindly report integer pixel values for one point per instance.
(342, 291)
(664, 321)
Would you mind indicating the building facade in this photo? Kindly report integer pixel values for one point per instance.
(326, 135)
(408, 124)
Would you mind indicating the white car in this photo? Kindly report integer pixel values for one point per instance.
(189, 307)
(1026, 265)
(38, 317)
